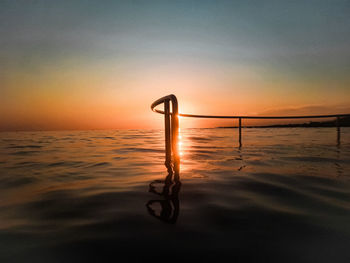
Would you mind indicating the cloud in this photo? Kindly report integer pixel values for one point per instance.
(308, 110)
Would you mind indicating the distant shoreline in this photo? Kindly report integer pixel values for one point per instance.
(343, 122)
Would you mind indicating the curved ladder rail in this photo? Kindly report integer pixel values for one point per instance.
(174, 112)
(171, 124)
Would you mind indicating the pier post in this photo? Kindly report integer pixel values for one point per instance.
(167, 133)
(240, 131)
(338, 130)
(175, 137)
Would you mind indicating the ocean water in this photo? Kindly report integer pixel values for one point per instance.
(93, 196)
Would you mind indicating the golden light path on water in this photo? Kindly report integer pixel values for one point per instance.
(71, 185)
(180, 143)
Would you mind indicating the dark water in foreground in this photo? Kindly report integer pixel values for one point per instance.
(81, 197)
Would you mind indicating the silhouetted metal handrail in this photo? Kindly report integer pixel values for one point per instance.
(261, 117)
(171, 124)
(175, 113)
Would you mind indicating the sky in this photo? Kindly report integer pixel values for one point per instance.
(100, 64)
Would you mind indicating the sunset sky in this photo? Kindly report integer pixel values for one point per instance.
(100, 64)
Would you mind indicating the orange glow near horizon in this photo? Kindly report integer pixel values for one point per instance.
(97, 98)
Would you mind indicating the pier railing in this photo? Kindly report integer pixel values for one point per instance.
(171, 127)
(172, 123)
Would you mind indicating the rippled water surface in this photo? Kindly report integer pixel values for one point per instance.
(78, 196)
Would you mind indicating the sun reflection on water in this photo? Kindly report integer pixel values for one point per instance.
(180, 143)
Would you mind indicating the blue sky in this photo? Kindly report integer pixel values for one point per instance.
(301, 47)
